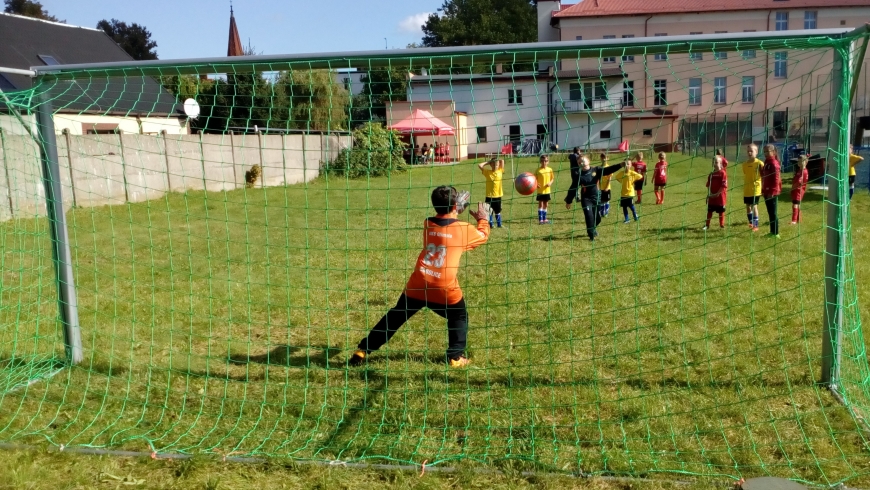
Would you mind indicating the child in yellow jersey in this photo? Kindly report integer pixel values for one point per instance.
(545, 177)
(604, 187)
(853, 160)
(493, 170)
(752, 185)
(628, 177)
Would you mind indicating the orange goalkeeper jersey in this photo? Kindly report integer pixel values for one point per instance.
(444, 241)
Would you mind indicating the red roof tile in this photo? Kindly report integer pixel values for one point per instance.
(596, 8)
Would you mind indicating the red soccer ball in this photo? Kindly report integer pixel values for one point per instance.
(526, 184)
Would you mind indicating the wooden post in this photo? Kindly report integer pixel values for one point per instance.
(123, 165)
(6, 172)
(284, 156)
(166, 158)
(202, 162)
(69, 159)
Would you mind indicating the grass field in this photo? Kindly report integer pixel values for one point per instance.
(218, 323)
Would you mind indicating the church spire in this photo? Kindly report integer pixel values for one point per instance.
(234, 45)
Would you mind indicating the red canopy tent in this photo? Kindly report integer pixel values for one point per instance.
(422, 122)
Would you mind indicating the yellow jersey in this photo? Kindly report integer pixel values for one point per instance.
(752, 177)
(545, 178)
(493, 182)
(628, 179)
(604, 183)
(854, 160)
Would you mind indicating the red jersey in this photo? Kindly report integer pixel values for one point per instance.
(717, 188)
(444, 241)
(799, 184)
(640, 167)
(771, 182)
(660, 174)
(724, 163)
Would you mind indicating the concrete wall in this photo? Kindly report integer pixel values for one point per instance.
(114, 169)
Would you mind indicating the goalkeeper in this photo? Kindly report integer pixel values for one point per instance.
(433, 283)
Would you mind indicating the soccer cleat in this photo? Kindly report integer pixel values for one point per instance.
(626, 221)
(459, 362)
(754, 228)
(705, 228)
(358, 358)
(794, 222)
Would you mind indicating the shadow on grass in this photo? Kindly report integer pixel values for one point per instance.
(292, 356)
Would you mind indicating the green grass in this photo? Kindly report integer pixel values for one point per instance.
(220, 322)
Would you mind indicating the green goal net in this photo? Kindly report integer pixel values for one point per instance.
(221, 234)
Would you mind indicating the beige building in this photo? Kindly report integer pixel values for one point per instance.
(781, 95)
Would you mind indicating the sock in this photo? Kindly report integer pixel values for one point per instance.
(749, 217)
(540, 215)
(755, 220)
(721, 220)
(498, 219)
(490, 221)
(851, 192)
(639, 194)
(662, 200)
(606, 208)
(709, 216)
(794, 214)
(544, 215)
(798, 215)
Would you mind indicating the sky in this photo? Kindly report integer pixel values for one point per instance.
(199, 28)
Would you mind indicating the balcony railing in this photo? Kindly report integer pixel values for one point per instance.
(589, 105)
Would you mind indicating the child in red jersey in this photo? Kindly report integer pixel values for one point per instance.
(771, 186)
(798, 188)
(660, 178)
(433, 284)
(640, 167)
(717, 192)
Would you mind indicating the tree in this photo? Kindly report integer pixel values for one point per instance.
(380, 87)
(135, 39)
(376, 151)
(29, 8)
(474, 22)
(316, 102)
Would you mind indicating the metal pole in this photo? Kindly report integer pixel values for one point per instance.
(837, 207)
(66, 297)
(6, 172)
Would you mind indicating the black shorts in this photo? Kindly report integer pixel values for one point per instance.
(638, 184)
(626, 202)
(796, 202)
(662, 186)
(543, 198)
(605, 197)
(494, 203)
(851, 180)
(751, 201)
(715, 209)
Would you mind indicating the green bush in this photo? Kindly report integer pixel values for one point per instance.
(376, 151)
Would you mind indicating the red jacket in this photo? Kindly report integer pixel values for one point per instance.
(771, 183)
(717, 183)
(799, 184)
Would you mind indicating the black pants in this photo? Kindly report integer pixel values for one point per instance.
(591, 215)
(457, 324)
(575, 186)
(770, 203)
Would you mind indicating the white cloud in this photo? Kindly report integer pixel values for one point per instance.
(412, 24)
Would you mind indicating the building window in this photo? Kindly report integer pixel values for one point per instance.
(515, 97)
(817, 123)
(542, 131)
(721, 55)
(748, 90)
(810, 19)
(782, 21)
(660, 92)
(720, 85)
(780, 64)
(749, 53)
(578, 38)
(575, 91)
(48, 60)
(696, 56)
(515, 133)
(694, 91)
(605, 135)
(609, 59)
(647, 132)
(481, 134)
(628, 94)
(628, 59)
(661, 56)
